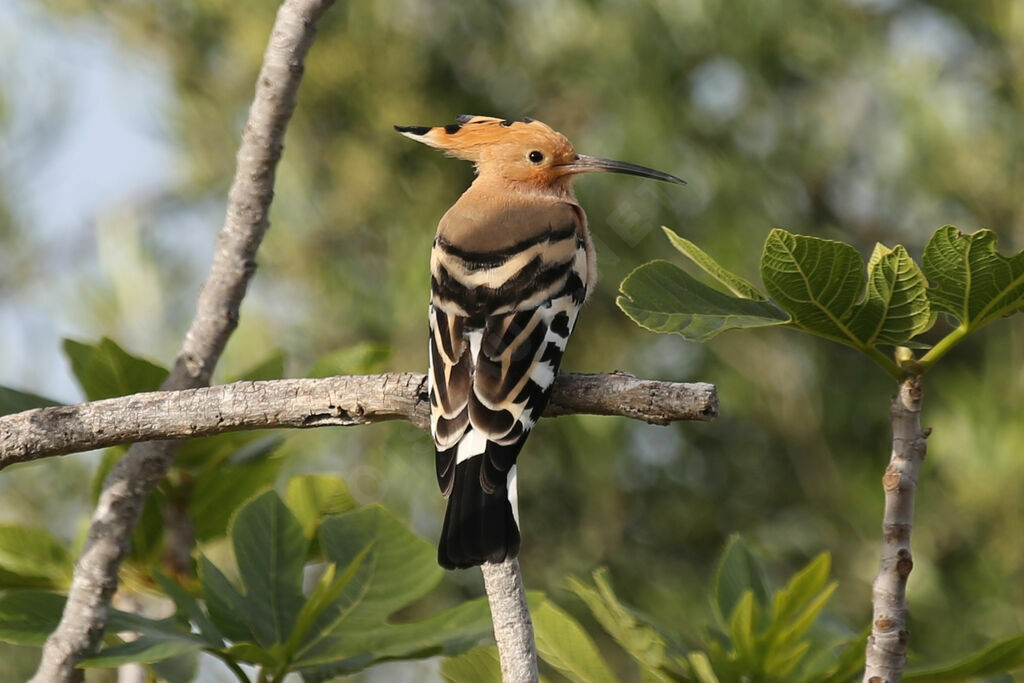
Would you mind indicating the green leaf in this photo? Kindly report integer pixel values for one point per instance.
(189, 608)
(479, 665)
(970, 279)
(325, 593)
(270, 551)
(563, 644)
(849, 663)
(662, 297)
(734, 283)
(105, 370)
(895, 308)
(33, 552)
(821, 283)
(742, 626)
(1001, 657)
(145, 649)
(179, 669)
(15, 401)
(229, 479)
(27, 617)
(803, 622)
(801, 589)
(314, 496)
(736, 572)
(639, 640)
(702, 668)
(360, 359)
(228, 609)
(399, 568)
(817, 281)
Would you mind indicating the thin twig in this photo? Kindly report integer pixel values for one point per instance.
(302, 403)
(886, 653)
(135, 476)
(513, 628)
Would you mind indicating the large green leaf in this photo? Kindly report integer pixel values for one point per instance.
(562, 643)
(818, 281)
(105, 370)
(1002, 657)
(228, 608)
(479, 665)
(398, 569)
(736, 572)
(271, 552)
(821, 283)
(15, 401)
(970, 279)
(32, 552)
(662, 297)
(642, 642)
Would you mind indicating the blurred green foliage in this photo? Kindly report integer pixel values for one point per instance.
(860, 120)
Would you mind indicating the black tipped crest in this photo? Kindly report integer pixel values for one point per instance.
(414, 130)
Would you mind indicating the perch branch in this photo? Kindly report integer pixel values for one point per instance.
(135, 476)
(513, 628)
(886, 653)
(304, 403)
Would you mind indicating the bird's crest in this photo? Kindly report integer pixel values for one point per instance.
(474, 138)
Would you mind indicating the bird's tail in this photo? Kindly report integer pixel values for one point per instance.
(479, 526)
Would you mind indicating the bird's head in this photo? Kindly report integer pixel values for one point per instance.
(525, 151)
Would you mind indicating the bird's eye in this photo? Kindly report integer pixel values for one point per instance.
(536, 157)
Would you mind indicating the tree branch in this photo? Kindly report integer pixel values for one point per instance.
(304, 403)
(245, 223)
(886, 654)
(513, 628)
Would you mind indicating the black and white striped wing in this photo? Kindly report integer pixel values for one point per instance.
(490, 380)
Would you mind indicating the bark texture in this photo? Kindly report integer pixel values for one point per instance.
(886, 653)
(513, 628)
(303, 403)
(131, 481)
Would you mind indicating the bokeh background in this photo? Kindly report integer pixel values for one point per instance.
(860, 120)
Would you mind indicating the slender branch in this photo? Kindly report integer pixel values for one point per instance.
(886, 653)
(135, 476)
(513, 628)
(303, 403)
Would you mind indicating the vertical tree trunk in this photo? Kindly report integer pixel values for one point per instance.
(886, 654)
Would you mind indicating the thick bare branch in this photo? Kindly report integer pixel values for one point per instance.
(338, 401)
(886, 654)
(245, 223)
(513, 628)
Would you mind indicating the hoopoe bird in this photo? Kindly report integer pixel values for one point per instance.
(511, 266)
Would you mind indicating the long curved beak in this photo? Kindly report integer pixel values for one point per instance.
(589, 164)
